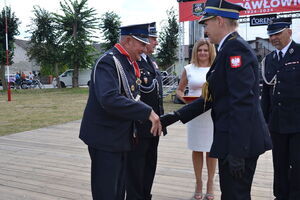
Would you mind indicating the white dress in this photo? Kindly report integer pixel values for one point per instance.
(200, 129)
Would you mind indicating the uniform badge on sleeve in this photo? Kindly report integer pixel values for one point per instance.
(235, 61)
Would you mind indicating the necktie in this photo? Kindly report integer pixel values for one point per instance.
(280, 56)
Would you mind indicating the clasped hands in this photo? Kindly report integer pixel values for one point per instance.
(163, 121)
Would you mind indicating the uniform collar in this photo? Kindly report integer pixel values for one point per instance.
(222, 41)
(144, 56)
(284, 50)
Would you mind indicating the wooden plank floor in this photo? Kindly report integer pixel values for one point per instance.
(53, 164)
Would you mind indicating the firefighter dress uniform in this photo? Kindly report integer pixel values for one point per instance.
(281, 107)
(142, 160)
(240, 131)
(108, 121)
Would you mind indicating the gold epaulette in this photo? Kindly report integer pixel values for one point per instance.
(205, 93)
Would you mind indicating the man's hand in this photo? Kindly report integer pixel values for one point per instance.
(169, 118)
(236, 166)
(156, 125)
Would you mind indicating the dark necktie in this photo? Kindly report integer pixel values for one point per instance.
(280, 56)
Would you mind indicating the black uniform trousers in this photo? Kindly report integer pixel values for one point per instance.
(141, 169)
(286, 163)
(107, 174)
(236, 189)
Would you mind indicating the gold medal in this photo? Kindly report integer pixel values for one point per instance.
(138, 81)
(132, 88)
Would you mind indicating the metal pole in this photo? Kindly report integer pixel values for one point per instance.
(181, 47)
(7, 54)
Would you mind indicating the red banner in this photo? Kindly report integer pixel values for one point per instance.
(189, 11)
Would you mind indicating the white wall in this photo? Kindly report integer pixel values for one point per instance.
(21, 62)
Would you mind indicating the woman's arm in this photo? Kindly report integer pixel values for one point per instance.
(182, 85)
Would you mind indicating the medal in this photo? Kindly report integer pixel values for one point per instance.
(138, 81)
(145, 80)
(132, 88)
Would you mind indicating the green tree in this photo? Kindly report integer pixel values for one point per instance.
(109, 25)
(12, 31)
(45, 48)
(168, 41)
(76, 26)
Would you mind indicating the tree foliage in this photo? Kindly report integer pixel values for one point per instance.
(12, 31)
(168, 41)
(45, 47)
(109, 25)
(76, 27)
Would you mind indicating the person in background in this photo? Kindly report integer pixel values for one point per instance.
(30, 76)
(232, 92)
(108, 125)
(17, 78)
(23, 76)
(142, 160)
(200, 129)
(281, 106)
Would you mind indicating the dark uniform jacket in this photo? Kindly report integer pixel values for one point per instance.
(239, 126)
(151, 93)
(281, 102)
(109, 115)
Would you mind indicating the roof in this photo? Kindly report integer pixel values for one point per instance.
(25, 44)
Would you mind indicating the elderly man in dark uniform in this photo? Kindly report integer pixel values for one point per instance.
(142, 159)
(240, 131)
(109, 122)
(281, 107)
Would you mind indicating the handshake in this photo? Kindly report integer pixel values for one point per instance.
(169, 118)
(159, 124)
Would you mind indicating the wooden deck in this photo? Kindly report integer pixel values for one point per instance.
(53, 164)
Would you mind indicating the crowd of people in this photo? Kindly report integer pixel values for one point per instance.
(227, 123)
(21, 76)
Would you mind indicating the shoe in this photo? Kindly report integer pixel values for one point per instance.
(197, 196)
(209, 196)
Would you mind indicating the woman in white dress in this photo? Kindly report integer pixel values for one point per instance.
(200, 129)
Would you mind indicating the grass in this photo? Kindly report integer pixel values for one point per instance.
(32, 109)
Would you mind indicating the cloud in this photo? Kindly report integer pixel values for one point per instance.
(130, 11)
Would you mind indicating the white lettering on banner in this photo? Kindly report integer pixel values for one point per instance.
(275, 3)
(286, 2)
(267, 5)
(261, 20)
(247, 6)
(257, 4)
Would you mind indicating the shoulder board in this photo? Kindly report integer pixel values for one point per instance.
(271, 54)
(233, 35)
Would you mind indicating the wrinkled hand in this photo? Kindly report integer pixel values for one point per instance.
(236, 166)
(169, 118)
(156, 125)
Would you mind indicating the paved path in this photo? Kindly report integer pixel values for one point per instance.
(53, 164)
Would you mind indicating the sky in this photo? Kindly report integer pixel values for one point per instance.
(130, 11)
